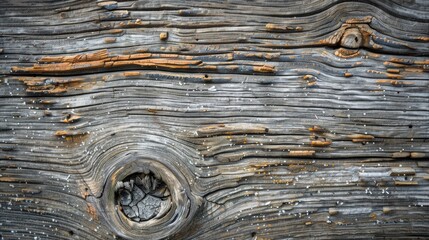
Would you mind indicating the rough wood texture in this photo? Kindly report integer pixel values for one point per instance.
(265, 119)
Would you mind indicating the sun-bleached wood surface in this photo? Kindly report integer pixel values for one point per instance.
(264, 119)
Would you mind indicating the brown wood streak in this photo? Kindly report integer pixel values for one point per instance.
(266, 119)
(100, 61)
(108, 62)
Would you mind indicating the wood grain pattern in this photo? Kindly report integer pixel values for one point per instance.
(266, 119)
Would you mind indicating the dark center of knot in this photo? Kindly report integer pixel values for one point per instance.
(142, 197)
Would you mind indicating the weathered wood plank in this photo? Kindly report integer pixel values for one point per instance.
(243, 119)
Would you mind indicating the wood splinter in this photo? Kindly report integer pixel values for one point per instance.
(318, 143)
(163, 36)
(303, 153)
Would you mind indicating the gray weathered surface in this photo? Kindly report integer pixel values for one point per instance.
(266, 119)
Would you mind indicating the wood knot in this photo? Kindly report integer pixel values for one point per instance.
(142, 197)
(145, 197)
(352, 38)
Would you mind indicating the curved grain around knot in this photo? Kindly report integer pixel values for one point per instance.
(173, 214)
(119, 166)
(142, 167)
